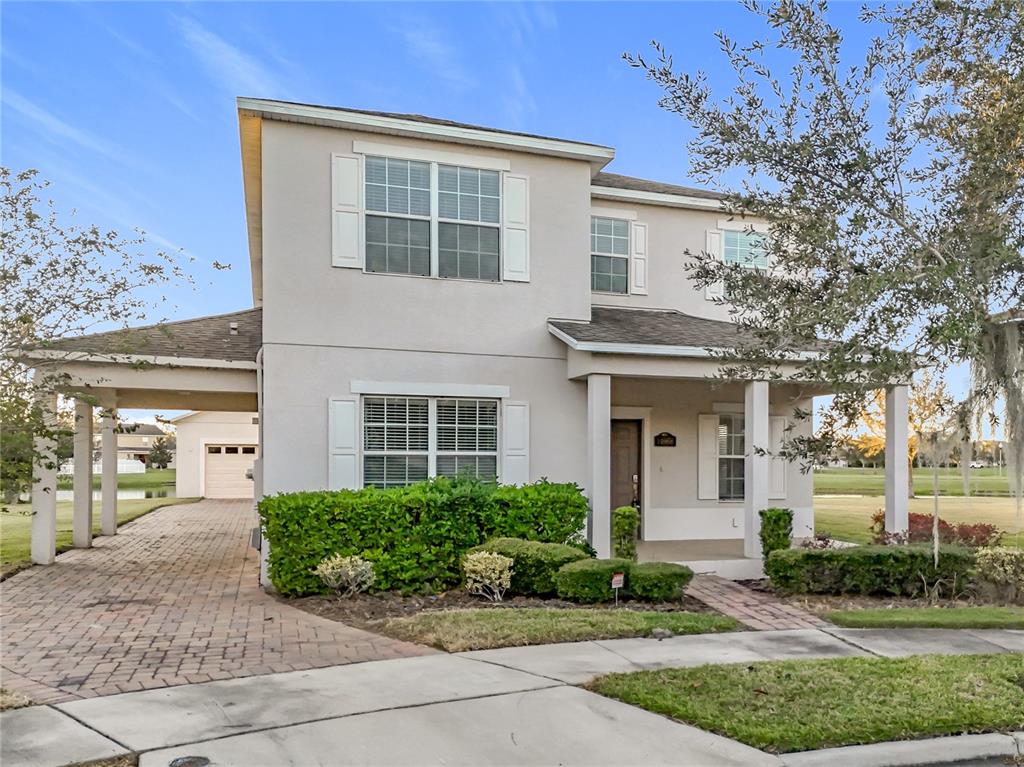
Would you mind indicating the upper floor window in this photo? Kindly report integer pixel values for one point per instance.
(745, 248)
(407, 233)
(609, 255)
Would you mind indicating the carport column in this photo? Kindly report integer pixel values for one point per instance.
(81, 525)
(108, 446)
(44, 487)
(897, 459)
(756, 467)
(599, 461)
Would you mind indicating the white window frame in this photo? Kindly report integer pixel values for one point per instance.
(432, 452)
(625, 257)
(732, 416)
(434, 219)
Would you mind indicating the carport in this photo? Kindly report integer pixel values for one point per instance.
(208, 363)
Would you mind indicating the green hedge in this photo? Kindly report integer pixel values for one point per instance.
(776, 530)
(625, 531)
(658, 581)
(590, 580)
(534, 563)
(416, 535)
(881, 570)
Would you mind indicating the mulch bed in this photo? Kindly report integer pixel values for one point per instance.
(819, 604)
(364, 610)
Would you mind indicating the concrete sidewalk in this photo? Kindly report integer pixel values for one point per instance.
(504, 706)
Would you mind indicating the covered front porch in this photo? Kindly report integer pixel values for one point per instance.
(698, 455)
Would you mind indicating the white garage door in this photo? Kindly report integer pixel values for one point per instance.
(225, 471)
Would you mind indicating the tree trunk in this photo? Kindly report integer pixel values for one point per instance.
(935, 514)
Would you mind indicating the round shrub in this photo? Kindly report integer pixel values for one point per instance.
(488, 575)
(590, 580)
(658, 581)
(999, 572)
(625, 531)
(534, 563)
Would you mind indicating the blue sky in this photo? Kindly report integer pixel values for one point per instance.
(128, 108)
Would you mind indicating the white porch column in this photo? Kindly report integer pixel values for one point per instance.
(599, 461)
(81, 524)
(44, 489)
(108, 446)
(897, 459)
(756, 468)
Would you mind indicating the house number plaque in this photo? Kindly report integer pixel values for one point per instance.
(664, 440)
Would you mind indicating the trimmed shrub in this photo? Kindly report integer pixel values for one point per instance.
(776, 530)
(488, 575)
(345, 575)
(590, 580)
(658, 581)
(999, 572)
(415, 536)
(534, 563)
(625, 531)
(881, 570)
(919, 530)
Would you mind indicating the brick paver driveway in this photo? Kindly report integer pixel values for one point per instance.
(171, 599)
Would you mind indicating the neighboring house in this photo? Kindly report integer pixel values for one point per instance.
(433, 298)
(216, 453)
(134, 444)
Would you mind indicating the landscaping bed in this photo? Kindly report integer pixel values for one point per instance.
(786, 706)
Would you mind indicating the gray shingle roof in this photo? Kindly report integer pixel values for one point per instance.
(144, 429)
(616, 181)
(202, 338)
(653, 327)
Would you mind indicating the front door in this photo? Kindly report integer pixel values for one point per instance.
(625, 463)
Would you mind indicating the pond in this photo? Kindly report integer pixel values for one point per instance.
(123, 495)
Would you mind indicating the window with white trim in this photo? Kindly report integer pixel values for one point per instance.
(731, 447)
(609, 255)
(408, 233)
(409, 439)
(744, 248)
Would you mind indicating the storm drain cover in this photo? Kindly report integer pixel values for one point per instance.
(189, 761)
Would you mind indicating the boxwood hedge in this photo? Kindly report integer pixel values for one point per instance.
(416, 535)
(534, 563)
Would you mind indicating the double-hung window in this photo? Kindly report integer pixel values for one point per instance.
(609, 255)
(731, 447)
(744, 248)
(408, 439)
(431, 219)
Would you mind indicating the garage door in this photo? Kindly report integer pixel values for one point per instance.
(225, 472)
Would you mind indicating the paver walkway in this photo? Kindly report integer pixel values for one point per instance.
(172, 599)
(754, 609)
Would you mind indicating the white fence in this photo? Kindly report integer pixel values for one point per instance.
(124, 466)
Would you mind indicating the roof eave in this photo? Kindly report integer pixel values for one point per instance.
(654, 198)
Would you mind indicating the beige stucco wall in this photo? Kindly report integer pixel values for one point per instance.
(194, 431)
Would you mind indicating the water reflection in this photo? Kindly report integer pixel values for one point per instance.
(123, 495)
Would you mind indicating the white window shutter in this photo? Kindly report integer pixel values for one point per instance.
(638, 258)
(346, 214)
(714, 247)
(516, 229)
(777, 486)
(707, 457)
(515, 464)
(343, 442)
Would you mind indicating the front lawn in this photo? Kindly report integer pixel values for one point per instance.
(150, 479)
(785, 706)
(16, 526)
(931, 617)
(485, 628)
(848, 518)
(872, 481)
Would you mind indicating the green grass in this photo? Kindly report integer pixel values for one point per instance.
(485, 628)
(931, 618)
(151, 479)
(872, 481)
(16, 526)
(785, 706)
(848, 518)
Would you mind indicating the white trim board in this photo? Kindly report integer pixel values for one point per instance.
(654, 198)
(429, 155)
(414, 389)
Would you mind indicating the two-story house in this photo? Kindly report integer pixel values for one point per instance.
(433, 298)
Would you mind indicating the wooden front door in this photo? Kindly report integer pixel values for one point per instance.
(625, 463)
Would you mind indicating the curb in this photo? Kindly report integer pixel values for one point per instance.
(957, 749)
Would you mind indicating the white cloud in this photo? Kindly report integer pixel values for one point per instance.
(229, 66)
(518, 101)
(56, 130)
(427, 43)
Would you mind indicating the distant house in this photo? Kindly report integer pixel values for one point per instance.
(135, 441)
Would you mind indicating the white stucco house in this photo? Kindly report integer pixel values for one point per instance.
(432, 297)
(216, 454)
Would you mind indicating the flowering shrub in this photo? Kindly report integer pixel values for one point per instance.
(345, 575)
(487, 574)
(919, 530)
(1000, 571)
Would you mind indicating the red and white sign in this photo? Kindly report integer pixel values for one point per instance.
(618, 579)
